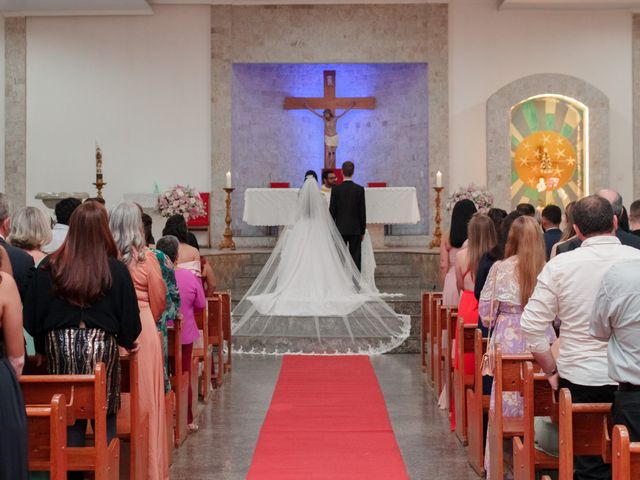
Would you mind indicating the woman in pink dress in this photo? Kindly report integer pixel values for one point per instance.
(125, 222)
(509, 285)
(451, 243)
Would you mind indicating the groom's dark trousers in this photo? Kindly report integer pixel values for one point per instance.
(349, 211)
(354, 242)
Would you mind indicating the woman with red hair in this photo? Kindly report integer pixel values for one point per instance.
(81, 305)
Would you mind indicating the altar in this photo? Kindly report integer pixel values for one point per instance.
(385, 206)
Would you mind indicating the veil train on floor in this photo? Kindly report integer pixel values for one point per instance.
(310, 298)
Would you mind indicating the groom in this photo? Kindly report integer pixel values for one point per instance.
(349, 211)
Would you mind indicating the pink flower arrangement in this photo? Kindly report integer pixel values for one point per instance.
(478, 195)
(181, 200)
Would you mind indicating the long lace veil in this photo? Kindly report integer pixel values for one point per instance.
(311, 298)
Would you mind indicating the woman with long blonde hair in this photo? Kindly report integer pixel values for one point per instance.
(505, 294)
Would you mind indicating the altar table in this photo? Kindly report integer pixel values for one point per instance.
(385, 206)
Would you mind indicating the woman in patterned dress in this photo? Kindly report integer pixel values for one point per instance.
(509, 285)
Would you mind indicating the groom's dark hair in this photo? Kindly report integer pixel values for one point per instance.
(348, 168)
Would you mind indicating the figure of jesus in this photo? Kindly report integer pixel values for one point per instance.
(330, 133)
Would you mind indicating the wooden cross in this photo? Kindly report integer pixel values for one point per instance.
(331, 102)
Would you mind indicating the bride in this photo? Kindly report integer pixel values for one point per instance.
(311, 298)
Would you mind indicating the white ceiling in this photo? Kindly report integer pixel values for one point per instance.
(571, 4)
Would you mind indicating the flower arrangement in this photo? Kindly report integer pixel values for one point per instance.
(181, 200)
(478, 195)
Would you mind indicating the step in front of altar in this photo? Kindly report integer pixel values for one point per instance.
(402, 272)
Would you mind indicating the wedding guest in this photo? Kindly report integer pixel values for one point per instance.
(624, 220)
(63, 210)
(451, 243)
(634, 218)
(166, 258)
(615, 320)
(192, 300)
(497, 215)
(100, 200)
(13, 437)
(568, 233)
(207, 276)
(5, 264)
(509, 286)
(81, 305)
(30, 231)
(21, 262)
(188, 256)
(482, 238)
(147, 223)
(526, 209)
(626, 238)
(567, 289)
(551, 219)
(125, 222)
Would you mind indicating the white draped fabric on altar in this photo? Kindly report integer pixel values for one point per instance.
(311, 298)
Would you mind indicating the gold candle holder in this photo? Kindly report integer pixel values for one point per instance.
(99, 184)
(437, 235)
(227, 241)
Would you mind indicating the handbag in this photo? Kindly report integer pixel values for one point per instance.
(488, 364)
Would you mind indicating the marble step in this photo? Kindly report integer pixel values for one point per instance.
(382, 270)
(382, 258)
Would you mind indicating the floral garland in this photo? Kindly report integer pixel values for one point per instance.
(478, 195)
(181, 200)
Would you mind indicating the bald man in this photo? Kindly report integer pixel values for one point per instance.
(626, 238)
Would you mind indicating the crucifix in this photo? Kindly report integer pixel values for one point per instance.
(329, 103)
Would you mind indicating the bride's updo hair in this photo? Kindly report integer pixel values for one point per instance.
(310, 173)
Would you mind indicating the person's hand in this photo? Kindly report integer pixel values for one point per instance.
(135, 348)
(554, 381)
(39, 359)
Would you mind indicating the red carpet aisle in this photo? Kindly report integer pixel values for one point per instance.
(327, 420)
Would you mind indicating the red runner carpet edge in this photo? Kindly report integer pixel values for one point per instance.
(327, 420)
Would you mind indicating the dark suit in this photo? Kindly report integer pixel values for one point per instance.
(551, 237)
(21, 264)
(625, 238)
(349, 211)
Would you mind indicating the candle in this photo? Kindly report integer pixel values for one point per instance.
(439, 179)
(228, 179)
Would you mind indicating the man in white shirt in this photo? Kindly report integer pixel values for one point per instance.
(64, 209)
(567, 288)
(616, 319)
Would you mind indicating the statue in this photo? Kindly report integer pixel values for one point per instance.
(330, 133)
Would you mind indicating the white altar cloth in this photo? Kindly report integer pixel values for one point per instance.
(277, 206)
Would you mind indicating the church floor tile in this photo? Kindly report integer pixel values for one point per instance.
(230, 423)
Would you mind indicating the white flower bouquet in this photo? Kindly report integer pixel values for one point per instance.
(478, 195)
(181, 200)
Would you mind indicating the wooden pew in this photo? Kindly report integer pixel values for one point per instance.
(202, 354)
(179, 383)
(425, 330)
(434, 336)
(539, 401)
(216, 338)
(425, 300)
(461, 380)
(47, 430)
(87, 397)
(584, 430)
(226, 327)
(132, 427)
(507, 378)
(625, 455)
(477, 406)
(451, 322)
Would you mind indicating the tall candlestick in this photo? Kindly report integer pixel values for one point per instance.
(439, 179)
(99, 180)
(437, 235)
(227, 241)
(228, 179)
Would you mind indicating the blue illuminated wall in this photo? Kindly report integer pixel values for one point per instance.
(272, 144)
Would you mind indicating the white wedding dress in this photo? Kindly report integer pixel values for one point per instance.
(310, 297)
